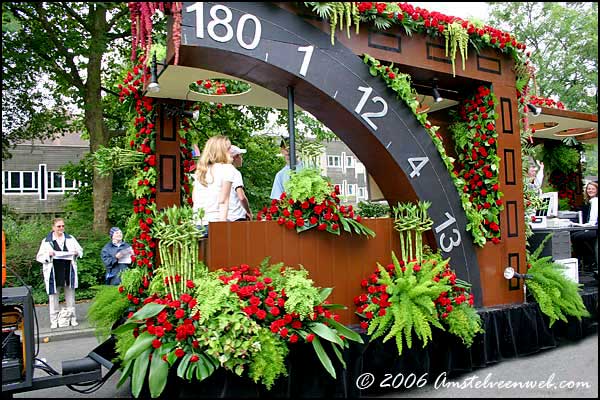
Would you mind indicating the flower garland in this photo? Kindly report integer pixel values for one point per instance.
(419, 20)
(143, 184)
(217, 87)
(565, 184)
(483, 217)
(478, 163)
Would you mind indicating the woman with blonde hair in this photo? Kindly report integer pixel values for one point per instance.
(585, 242)
(214, 176)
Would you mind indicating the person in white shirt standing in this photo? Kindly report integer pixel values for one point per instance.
(239, 207)
(214, 178)
(58, 254)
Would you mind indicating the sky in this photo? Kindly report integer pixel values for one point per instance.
(456, 9)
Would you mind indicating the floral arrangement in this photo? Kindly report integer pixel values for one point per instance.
(142, 138)
(419, 20)
(242, 319)
(216, 87)
(417, 292)
(479, 161)
(556, 295)
(546, 102)
(312, 202)
(478, 164)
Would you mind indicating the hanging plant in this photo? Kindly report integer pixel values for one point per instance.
(457, 37)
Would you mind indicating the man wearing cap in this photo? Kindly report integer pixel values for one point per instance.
(116, 256)
(239, 207)
(284, 173)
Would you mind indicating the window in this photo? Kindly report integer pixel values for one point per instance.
(349, 162)
(34, 182)
(362, 192)
(333, 161)
(16, 182)
(351, 189)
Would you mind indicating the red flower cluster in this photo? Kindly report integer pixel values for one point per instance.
(545, 102)
(476, 160)
(434, 23)
(565, 184)
(176, 323)
(376, 293)
(302, 215)
(266, 305)
(219, 86)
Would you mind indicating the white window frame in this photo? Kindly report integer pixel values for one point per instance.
(7, 181)
(351, 189)
(349, 161)
(331, 159)
(362, 192)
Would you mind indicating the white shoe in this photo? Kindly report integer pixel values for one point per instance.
(53, 324)
(74, 322)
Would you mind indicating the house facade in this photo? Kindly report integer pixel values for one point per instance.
(31, 180)
(346, 170)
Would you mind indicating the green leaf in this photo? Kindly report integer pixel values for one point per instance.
(159, 371)
(125, 327)
(141, 343)
(185, 360)
(324, 294)
(125, 374)
(346, 332)
(191, 371)
(339, 356)
(325, 332)
(148, 311)
(323, 357)
(140, 367)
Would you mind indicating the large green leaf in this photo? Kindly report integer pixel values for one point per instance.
(325, 332)
(347, 332)
(140, 367)
(148, 311)
(125, 374)
(323, 357)
(141, 343)
(324, 294)
(159, 371)
(183, 364)
(125, 327)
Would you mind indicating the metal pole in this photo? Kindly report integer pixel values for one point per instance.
(292, 149)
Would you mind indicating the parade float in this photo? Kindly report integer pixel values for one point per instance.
(307, 298)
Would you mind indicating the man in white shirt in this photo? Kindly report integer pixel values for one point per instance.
(239, 207)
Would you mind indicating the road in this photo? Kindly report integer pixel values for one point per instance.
(569, 363)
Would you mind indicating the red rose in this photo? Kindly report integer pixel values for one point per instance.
(179, 313)
(194, 358)
(310, 337)
(179, 353)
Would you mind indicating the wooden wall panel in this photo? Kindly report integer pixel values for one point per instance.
(332, 261)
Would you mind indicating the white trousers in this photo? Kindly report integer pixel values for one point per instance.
(53, 304)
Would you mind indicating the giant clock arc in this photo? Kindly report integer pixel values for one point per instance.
(275, 48)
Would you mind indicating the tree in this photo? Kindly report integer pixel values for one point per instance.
(563, 39)
(55, 60)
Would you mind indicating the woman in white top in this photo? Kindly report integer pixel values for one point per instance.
(214, 177)
(585, 242)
